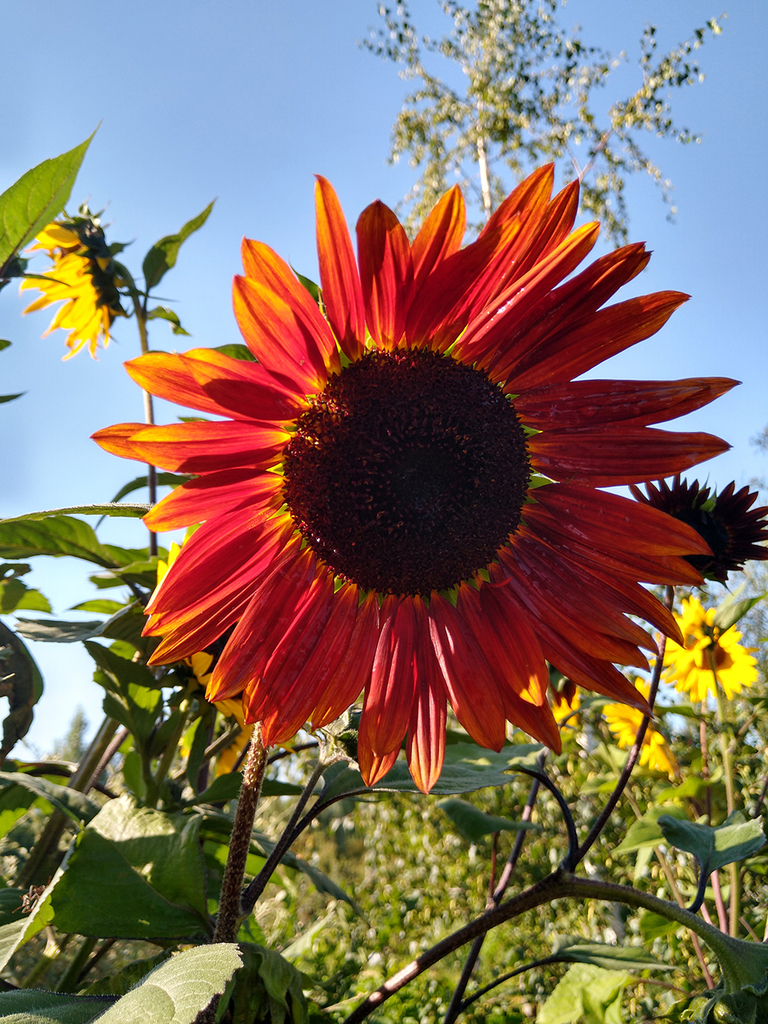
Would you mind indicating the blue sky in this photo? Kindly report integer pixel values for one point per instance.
(245, 101)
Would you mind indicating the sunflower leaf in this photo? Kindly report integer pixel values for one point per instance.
(713, 848)
(163, 254)
(112, 508)
(647, 831)
(35, 199)
(164, 313)
(163, 480)
(475, 824)
(574, 949)
(731, 610)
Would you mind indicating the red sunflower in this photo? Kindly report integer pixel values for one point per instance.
(402, 497)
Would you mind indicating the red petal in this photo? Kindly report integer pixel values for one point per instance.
(266, 620)
(264, 267)
(213, 495)
(568, 351)
(389, 694)
(373, 767)
(386, 273)
(342, 293)
(354, 671)
(639, 403)
(287, 344)
(205, 447)
(207, 380)
(611, 455)
(528, 199)
(426, 729)
(439, 237)
(495, 327)
(471, 685)
(623, 525)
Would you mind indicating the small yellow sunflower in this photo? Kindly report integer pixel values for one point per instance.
(708, 657)
(624, 721)
(82, 276)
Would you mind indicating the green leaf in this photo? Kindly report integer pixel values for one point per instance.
(35, 199)
(16, 594)
(56, 536)
(59, 631)
(267, 988)
(474, 824)
(654, 926)
(119, 509)
(714, 847)
(10, 398)
(163, 254)
(647, 831)
(16, 933)
(731, 610)
(236, 351)
(35, 1006)
(163, 313)
(75, 805)
(100, 605)
(21, 683)
(163, 480)
(123, 980)
(103, 895)
(180, 988)
(573, 949)
(588, 994)
(4, 343)
(164, 848)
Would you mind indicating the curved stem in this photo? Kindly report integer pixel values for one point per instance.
(634, 753)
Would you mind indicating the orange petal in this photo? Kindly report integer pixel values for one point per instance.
(386, 273)
(373, 767)
(342, 293)
(439, 236)
(354, 670)
(118, 439)
(208, 380)
(213, 495)
(288, 345)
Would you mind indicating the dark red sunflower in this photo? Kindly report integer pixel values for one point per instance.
(402, 497)
(736, 532)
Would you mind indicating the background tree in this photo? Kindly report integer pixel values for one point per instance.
(527, 95)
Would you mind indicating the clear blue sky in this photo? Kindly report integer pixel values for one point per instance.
(246, 101)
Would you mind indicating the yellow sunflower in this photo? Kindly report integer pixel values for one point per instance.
(624, 721)
(708, 657)
(82, 277)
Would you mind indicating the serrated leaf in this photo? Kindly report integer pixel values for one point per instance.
(112, 508)
(475, 824)
(714, 847)
(179, 989)
(35, 199)
(75, 805)
(163, 254)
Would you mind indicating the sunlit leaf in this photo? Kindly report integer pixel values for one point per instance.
(163, 254)
(714, 847)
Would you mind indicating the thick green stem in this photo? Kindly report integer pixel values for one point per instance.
(230, 909)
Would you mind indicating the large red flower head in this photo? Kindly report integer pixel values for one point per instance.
(401, 495)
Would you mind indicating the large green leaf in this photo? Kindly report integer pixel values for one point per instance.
(35, 199)
(163, 848)
(57, 536)
(587, 994)
(110, 508)
(267, 988)
(163, 254)
(103, 895)
(475, 824)
(613, 958)
(35, 1006)
(75, 805)
(16, 933)
(179, 989)
(714, 847)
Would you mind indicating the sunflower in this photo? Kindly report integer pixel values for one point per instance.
(734, 530)
(82, 276)
(707, 656)
(402, 497)
(624, 721)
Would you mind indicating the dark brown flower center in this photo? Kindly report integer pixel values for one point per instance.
(408, 472)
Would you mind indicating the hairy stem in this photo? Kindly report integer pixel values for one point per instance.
(230, 912)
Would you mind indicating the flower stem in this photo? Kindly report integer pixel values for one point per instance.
(230, 910)
(140, 310)
(734, 899)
